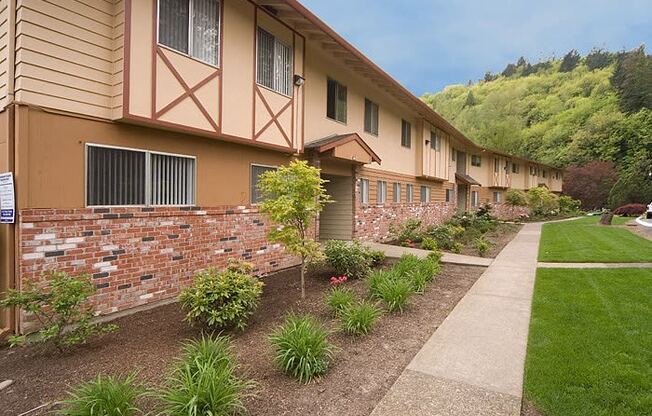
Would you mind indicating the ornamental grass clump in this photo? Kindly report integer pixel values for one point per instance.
(359, 318)
(104, 396)
(338, 299)
(204, 381)
(391, 288)
(221, 300)
(301, 348)
(419, 272)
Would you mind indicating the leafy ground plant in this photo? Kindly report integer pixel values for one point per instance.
(390, 287)
(61, 307)
(222, 299)
(204, 381)
(349, 259)
(338, 299)
(419, 272)
(104, 396)
(482, 246)
(359, 318)
(302, 349)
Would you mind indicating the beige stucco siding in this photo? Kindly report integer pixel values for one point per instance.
(4, 51)
(66, 55)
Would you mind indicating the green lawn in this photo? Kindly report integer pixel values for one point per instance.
(590, 344)
(584, 240)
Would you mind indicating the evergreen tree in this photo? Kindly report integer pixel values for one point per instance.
(598, 59)
(521, 62)
(470, 100)
(570, 61)
(632, 79)
(509, 70)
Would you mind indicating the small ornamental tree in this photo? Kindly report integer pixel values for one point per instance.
(293, 196)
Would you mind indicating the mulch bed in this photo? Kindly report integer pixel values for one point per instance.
(364, 368)
(503, 234)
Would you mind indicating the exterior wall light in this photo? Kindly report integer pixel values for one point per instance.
(299, 80)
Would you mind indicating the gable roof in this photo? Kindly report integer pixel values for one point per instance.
(331, 142)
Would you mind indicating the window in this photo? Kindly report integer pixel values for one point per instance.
(397, 192)
(425, 194)
(336, 101)
(498, 196)
(476, 160)
(273, 63)
(454, 152)
(191, 27)
(557, 175)
(370, 117)
(381, 192)
(409, 193)
(116, 176)
(435, 141)
(545, 173)
(516, 168)
(256, 171)
(406, 134)
(364, 191)
(475, 198)
(449, 195)
(496, 165)
(508, 166)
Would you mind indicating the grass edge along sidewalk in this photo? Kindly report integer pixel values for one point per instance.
(588, 349)
(585, 241)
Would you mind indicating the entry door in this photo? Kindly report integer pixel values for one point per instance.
(461, 197)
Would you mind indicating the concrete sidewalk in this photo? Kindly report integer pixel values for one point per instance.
(474, 363)
(398, 251)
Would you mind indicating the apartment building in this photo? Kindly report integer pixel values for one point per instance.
(136, 130)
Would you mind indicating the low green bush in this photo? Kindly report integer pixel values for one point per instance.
(104, 396)
(223, 299)
(542, 202)
(377, 257)
(348, 259)
(435, 256)
(482, 246)
(516, 197)
(359, 318)
(302, 349)
(61, 305)
(204, 381)
(418, 272)
(568, 205)
(429, 243)
(338, 299)
(392, 288)
(446, 236)
(409, 230)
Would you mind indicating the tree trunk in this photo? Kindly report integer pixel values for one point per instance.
(303, 278)
(606, 218)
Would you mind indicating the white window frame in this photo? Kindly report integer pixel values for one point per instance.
(498, 197)
(435, 141)
(427, 194)
(409, 193)
(450, 194)
(148, 179)
(478, 158)
(190, 37)
(375, 106)
(275, 75)
(364, 191)
(406, 134)
(381, 192)
(475, 198)
(396, 190)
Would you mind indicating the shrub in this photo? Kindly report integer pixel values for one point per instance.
(482, 246)
(418, 272)
(389, 286)
(302, 348)
(568, 205)
(105, 396)
(434, 256)
(516, 197)
(377, 256)
(408, 230)
(541, 201)
(446, 236)
(348, 259)
(631, 210)
(61, 307)
(338, 299)
(222, 299)
(204, 381)
(359, 318)
(429, 243)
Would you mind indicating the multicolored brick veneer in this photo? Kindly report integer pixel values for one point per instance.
(142, 255)
(509, 212)
(372, 222)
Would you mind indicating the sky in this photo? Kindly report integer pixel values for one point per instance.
(429, 44)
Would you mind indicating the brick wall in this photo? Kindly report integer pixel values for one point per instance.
(372, 222)
(142, 255)
(509, 212)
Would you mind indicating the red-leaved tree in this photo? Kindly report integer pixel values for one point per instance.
(590, 183)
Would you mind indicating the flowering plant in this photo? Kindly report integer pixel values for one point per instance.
(408, 243)
(338, 280)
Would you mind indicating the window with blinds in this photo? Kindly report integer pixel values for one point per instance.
(475, 198)
(370, 117)
(409, 193)
(364, 191)
(123, 177)
(191, 27)
(425, 194)
(336, 101)
(449, 195)
(273, 63)
(435, 141)
(256, 171)
(406, 134)
(397, 192)
(381, 192)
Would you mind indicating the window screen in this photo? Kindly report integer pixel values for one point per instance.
(336, 101)
(397, 192)
(381, 192)
(173, 180)
(409, 193)
(435, 141)
(370, 117)
(273, 63)
(406, 134)
(256, 171)
(115, 176)
(425, 194)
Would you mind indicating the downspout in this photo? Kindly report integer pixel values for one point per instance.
(14, 281)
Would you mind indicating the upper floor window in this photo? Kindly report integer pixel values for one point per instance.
(557, 175)
(256, 172)
(273, 63)
(336, 101)
(406, 134)
(370, 117)
(409, 193)
(476, 160)
(516, 168)
(191, 27)
(545, 173)
(435, 141)
(496, 165)
(122, 177)
(381, 192)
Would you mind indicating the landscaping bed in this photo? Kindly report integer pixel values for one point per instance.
(498, 238)
(363, 370)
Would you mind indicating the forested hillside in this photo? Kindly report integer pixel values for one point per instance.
(567, 112)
